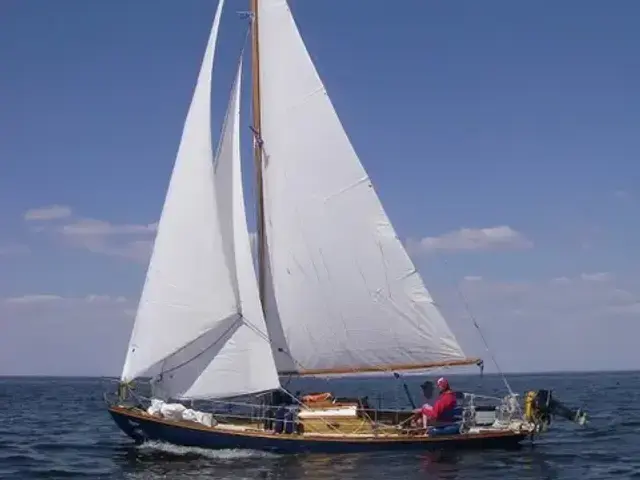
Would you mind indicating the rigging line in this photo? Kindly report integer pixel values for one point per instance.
(474, 320)
(406, 389)
(242, 321)
(267, 338)
(484, 340)
(234, 326)
(228, 113)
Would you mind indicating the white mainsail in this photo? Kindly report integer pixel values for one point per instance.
(197, 319)
(345, 294)
(239, 361)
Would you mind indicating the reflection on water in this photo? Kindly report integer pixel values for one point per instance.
(155, 460)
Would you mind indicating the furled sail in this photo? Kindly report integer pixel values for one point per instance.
(239, 360)
(346, 295)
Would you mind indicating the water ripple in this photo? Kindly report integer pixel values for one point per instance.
(59, 429)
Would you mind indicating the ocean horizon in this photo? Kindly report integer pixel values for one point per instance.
(58, 427)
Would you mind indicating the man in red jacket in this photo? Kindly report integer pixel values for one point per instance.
(443, 410)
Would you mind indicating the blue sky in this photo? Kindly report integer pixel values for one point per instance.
(502, 138)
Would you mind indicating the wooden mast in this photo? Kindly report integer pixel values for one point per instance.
(387, 368)
(257, 149)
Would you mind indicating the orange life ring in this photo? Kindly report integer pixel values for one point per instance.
(316, 397)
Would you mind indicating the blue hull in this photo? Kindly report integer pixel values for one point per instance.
(141, 428)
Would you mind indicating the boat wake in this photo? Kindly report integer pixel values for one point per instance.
(154, 447)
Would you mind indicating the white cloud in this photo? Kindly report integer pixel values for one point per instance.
(33, 298)
(470, 239)
(131, 241)
(138, 250)
(50, 212)
(50, 334)
(597, 277)
(42, 298)
(92, 227)
(472, 278)
(93, 298)
(13, 249)
(622, 195)
(578, 322)
(591, 294)
(584, 277)
(627, 309)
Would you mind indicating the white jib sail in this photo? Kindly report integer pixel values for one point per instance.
(347, 295)
(239, 362)
(188, 290)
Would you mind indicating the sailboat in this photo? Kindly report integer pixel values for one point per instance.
(335, 292)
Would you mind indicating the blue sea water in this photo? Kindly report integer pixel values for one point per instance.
(58, 428)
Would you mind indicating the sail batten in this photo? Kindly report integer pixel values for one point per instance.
(344, 294)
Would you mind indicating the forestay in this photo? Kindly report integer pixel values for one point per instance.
(347, 296)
